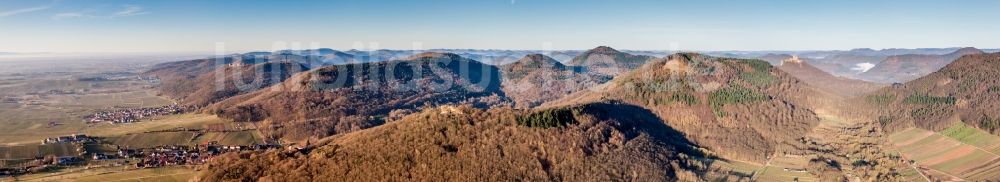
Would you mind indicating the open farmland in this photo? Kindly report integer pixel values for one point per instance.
(972, 136)
(187, 138)
(34, 150)
(945, 156)
(774, 173)
(784, 170)
(29, 116)
(187, 121)
(153, 139)
(166, 174)
(736, 168)
(145, 134)
(231, 138)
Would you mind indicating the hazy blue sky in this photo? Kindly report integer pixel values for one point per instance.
(196, 25)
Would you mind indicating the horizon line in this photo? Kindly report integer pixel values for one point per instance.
(479, 49)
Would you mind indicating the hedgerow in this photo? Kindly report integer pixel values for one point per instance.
(989, 124)
(927, 99)
(881, 99)
(994, 88)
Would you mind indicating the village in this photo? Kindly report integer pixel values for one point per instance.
(184, 155)
(92, 152)
(132, 114)
(78, 138)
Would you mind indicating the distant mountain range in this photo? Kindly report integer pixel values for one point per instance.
(881, 66)
(825, 81)
(903, 68)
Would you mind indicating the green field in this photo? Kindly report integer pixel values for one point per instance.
(973, 136)
(762, 173)
(773, 173)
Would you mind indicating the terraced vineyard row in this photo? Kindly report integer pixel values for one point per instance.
(946, 153)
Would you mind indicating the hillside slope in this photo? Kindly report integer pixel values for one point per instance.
(904, 68)
(599, 142)
(178, 78)
(537, 78)
(739, 108)
(238, 80)
(846, 64)
(608, 61)
(827, 82)
(966, 90)
(341, 98)
(196, 82)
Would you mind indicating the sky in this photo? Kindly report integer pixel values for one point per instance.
(705, 25)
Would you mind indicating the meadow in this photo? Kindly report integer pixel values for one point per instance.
(972, 136)
(775, 171)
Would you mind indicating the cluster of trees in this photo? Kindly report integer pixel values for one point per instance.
(760, 76)
(549, 118)
(757, 65)
(732, 95)
(920, 113)
(661, 91)
(631, 62)
(759, 79)
(927, 99)
(685, 98)
(989, 124)
(967, 84)
(994, 88)
(881, 99)
(885, 120)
